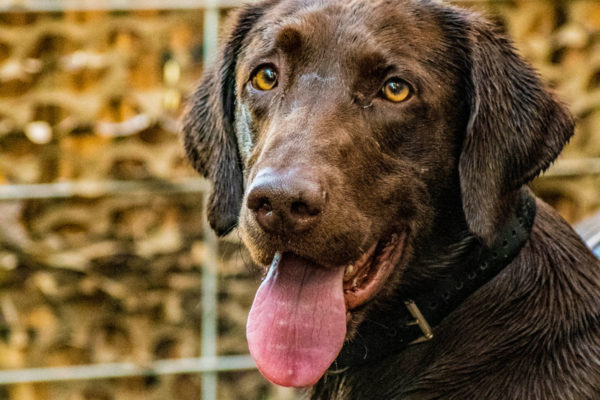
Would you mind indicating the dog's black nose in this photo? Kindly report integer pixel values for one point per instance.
(286, 201)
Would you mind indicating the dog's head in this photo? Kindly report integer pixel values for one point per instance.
(342, 137)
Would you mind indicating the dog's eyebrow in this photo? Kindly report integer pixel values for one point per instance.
(372, 64)
(288, 40)
(371, 68)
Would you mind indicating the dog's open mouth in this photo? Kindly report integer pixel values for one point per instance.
(297, 324)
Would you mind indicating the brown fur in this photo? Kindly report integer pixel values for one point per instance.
(444, 166)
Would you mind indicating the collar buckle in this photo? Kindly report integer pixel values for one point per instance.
(419, 321)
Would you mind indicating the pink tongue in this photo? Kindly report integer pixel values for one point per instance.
(297, 323)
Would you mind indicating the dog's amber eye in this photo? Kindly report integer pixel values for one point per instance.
(265, 78)
(395, 90)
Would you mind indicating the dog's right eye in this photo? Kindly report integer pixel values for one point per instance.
(265, 78)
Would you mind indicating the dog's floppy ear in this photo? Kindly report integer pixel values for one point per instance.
(515, 130)
(208, 125)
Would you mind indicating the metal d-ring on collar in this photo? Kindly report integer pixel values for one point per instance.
(414, 324)
(419, 321)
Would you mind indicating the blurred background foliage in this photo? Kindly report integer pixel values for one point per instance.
(95, 96)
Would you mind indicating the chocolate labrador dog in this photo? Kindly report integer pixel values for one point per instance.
(374, 155)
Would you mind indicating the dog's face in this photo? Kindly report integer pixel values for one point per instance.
(354, 106)
(338, 133)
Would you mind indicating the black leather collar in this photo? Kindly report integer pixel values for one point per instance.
(414, 322)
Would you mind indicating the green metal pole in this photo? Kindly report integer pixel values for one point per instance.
(209, 272)
(209, 310)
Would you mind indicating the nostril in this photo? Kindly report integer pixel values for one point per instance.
(301, 209)
(256, 203)
(265, 206)
(262, 208)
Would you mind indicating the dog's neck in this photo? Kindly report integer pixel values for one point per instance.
(413, 315)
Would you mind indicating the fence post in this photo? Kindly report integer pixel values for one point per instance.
(209, 271)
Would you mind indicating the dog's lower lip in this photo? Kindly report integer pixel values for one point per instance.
(365, 278)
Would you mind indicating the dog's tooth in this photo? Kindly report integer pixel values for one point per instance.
(349, 271)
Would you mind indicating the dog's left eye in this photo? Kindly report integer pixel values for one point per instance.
(396, 90)
(265, 78)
